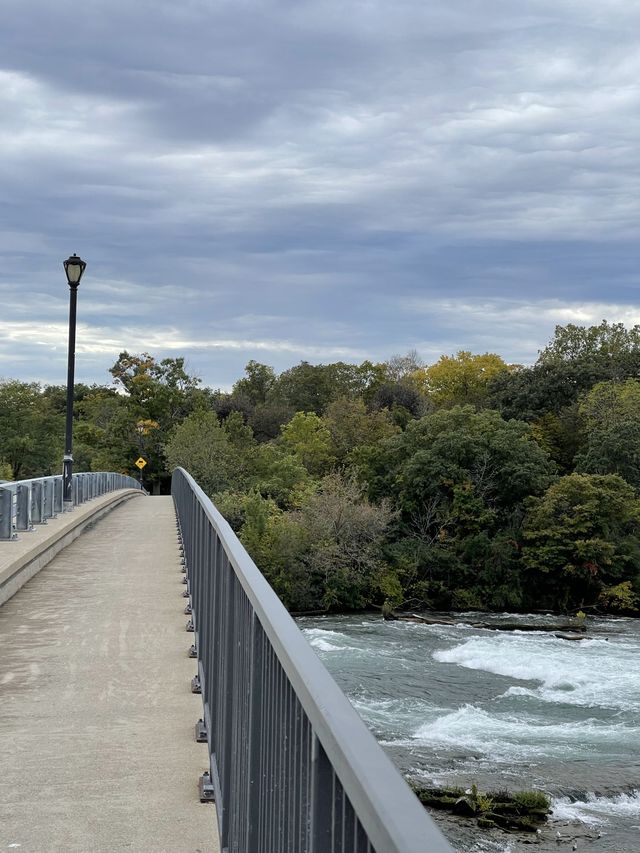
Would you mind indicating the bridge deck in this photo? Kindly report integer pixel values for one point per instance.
(97, 752)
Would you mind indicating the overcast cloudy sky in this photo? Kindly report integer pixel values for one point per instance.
(322, 180)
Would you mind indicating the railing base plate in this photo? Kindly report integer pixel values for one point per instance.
(201, 732)
(206, 789)
(195, 684)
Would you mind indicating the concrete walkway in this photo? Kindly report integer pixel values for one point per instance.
(97, 753)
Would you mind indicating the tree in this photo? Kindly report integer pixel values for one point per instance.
(459, 478)
(402, 399)
(345, 535)
(309, 439)
(257, 383)
(310, 388)
(609, 347)
(461, 446)
(279, 475)
(580, 537)
(159, 392)
(201, 446)
(400, 367)
(574, 361)
(611, 414)
(352, 426)
(105, 438)
(267, 419)
(462, 379)
(31, 431)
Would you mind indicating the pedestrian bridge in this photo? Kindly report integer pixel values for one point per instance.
(156, 696)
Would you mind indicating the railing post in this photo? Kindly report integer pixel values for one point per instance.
(255, 737)
(23, 506)
(321, 798)
(6, 526)
(37, 504)
(48, 498)
(57, 495)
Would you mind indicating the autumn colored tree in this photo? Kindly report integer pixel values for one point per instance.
(462, 379)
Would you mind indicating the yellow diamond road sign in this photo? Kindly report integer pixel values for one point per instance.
(141, 463)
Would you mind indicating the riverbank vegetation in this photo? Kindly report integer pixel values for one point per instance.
(521, 811)
(469, 483)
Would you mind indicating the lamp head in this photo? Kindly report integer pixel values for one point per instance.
(74, 267)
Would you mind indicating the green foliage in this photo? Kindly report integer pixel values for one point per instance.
(369, 484)
(310, 388)
(467, 599)
(345, 535)
(352, 427)
(309, 439)
(459, 478)
(611, 345)
(31, 431)
(582, 534)
(205, 449)
(532, 800)
(386, 584)
(619, 598)
(279, 475)
(257, 383)
(611, 415)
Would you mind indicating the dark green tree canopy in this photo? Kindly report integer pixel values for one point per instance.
(581, 536)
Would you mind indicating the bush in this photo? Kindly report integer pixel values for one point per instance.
(619, 599)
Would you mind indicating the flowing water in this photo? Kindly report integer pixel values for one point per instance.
(457, 705)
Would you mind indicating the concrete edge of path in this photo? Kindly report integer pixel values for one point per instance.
(24, 557)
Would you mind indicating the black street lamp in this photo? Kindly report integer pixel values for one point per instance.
(73, 267)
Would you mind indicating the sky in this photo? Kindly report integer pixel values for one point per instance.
(314, 180)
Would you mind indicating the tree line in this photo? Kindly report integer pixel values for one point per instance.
(469, 483)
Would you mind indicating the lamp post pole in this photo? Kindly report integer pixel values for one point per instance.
(73, 267)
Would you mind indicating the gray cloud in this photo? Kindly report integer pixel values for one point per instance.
(281, 180)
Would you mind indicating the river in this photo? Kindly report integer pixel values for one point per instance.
(454, 705)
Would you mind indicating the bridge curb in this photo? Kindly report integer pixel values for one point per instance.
(50, 539)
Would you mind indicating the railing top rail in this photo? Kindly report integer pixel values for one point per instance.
(391, 815)
(8, 484)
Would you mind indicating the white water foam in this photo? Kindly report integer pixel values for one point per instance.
(595, 810)
(510, 738)
(593, 673)
(325, 641)
(394, 715)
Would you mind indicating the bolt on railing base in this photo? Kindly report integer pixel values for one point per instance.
(201, 732)
(188, 611)
(193, 652)
(195, 684)
(206, 789)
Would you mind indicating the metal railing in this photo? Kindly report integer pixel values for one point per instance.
(293, 769)
(24, 503)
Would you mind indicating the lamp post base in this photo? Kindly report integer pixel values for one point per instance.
(67, 481)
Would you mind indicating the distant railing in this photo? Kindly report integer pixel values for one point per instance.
(24, 503)
(293, 769)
